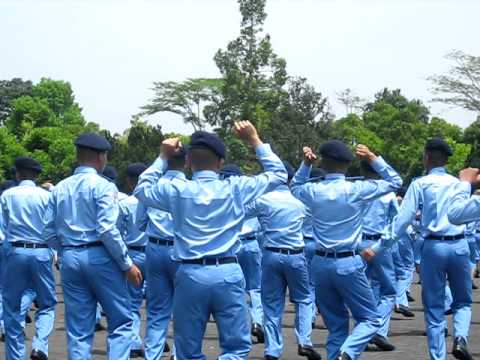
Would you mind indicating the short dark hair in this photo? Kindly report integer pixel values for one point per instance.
(176, 162)
(27, 174)
(203, 158)
(437, 157)
(85, 154)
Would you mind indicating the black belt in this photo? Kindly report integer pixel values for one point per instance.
(446, 237)
(28, 245)
(336, 254)
(163, 242)
(137, 248)
(309, 238)
(85, 246)
(285, 251)
(371, 236)
(212, 261)
(248, 238)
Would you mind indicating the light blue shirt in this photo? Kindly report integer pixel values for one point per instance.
(208, 213)
(250, 227)
(84, 208)
(463, 207)
(158, 223)
(337, 205)
(126, 222)
(307, 228)
(281, 217)
(379, 213)
(23, 212)
(432, 194)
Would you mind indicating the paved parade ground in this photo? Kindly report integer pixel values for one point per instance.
(406, 335)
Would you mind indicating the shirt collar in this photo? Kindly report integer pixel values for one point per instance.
(85, 170)
(175, 174)
(438, 170)
(27, 183)
(205, 174)
(334, 176)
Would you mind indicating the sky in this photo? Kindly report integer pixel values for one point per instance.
(111, 51)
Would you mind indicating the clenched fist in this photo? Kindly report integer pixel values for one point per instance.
(247, 132)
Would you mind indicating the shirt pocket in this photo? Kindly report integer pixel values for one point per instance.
(349, 265)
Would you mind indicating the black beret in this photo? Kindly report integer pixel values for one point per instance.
(210, 141)
(437, 144)
(290, 169)
(93, 141)
(336, 150)
(230, 170)
(110, 173)
(134, 170)
(28, 163)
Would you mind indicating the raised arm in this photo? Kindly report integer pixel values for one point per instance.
(463, 207)
(301, 189)
(274, 173)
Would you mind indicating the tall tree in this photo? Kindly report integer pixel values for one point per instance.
(461, 85)
(352, 102)
(187, 99)
(9, 91)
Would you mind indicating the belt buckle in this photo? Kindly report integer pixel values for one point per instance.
(25, 245)
(204, 261)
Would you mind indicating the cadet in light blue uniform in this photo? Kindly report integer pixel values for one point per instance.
(160, 267)
(136, 242)
(377, 218)
(337, 207)
(208, 214)
(82, 216)
(284, 265)
(250, 260)
(28, 262)
(445, 251)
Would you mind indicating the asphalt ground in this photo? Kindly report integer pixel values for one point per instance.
(406, 334)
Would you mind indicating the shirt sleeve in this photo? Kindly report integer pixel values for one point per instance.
(463, 207)
(253, 209)
(252, 187)
(373, 189)
(301, 188)
(408, 211)
(141, 218)
(150, 190)
(122, 219)
(107, 215)
(49, 232)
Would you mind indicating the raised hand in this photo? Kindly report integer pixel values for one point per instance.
(169, 147)
(471, 175)
(247, 132)
(308, 155)
(364, 153)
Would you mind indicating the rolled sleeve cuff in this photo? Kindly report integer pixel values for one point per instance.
(263, 150)
(464, 186)
(378, 164)
(127, 264)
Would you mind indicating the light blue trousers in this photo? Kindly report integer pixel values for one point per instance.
(90, 275)
(341, 285)
(280, 271)
(442, 259)
(27, 269)
(201, 291)
(136, 299)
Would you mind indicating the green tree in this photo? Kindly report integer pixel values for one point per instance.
(9, 91)
(471, 136)
(187, 99)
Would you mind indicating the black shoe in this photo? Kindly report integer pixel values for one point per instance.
(28, 319)
(344, 356)
(139, 353)
(474, 286)
(476, 274)
(257, 332)
(410, 298)
(382, 343)
(2, 338)
(405, 311)
(309, 352)
(99, 327)
(270, 357)
(460, 350)
(449, 312)
(166, 347)
(313, 325)
(38, 355)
